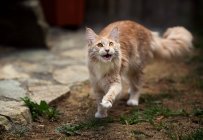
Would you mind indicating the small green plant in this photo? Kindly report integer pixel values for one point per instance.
(69, 129)
(42, 109)
(150, 114)
(74, 129)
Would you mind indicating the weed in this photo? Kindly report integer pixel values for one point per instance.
(194, 80)
(196, 135)
(156, 99)
(140, 135)
(74, 129)
(150, 114)
(69, 129)
(19, 130)
(197, 58)
(42, 109)
(198, 112)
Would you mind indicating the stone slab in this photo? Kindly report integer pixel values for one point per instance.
(71, 74)
(75, 54)
(5, 123)
(48, 93)
(16, 111)
(9, 72)
(11, 89)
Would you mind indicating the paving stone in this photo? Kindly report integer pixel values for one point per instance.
(11, 89)
(75, 54)
(36, 67)
(37, 82)
(16, 111)
(47, 74)
(5, 123)
(64, 62)
(71, 74)
(48, 93)
(35, 55)
(9, 72)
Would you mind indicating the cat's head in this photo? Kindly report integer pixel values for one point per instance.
(103, 48)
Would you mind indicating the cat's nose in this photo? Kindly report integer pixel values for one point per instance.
(107, 50)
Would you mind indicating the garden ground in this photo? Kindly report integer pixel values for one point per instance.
(170, 107)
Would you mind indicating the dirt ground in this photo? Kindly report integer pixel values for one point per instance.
(174, 85)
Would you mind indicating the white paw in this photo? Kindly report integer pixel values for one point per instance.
(100, 115)
(106, 104)
(132, 102)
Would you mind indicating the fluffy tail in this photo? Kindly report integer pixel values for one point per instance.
(176, 41)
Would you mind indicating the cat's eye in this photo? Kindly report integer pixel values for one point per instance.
(100, 45)
(110, 43)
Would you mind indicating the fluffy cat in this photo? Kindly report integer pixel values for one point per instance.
(122, 49)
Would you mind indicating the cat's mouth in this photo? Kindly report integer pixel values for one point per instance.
(107, 56)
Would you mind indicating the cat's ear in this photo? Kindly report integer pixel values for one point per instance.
(90, 36)
(114, 34)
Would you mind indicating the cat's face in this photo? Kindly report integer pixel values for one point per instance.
(104, 49)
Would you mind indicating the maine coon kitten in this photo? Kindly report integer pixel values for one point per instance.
(122, 49)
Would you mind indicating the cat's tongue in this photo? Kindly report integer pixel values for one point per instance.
(107, 56)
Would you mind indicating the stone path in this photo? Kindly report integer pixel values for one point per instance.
(40, 74)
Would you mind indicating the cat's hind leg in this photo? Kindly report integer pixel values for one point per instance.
(134, 94)
(134, 97)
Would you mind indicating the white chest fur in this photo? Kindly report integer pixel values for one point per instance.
(101, 69)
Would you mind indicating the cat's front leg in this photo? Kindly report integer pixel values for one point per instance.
(113, 92)
(101, 111)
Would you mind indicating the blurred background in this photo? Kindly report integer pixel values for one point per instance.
(27, 23)
(43, 55)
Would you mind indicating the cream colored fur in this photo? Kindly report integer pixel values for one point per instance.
(175, 42)
(122, 49)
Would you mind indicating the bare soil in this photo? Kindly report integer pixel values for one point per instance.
(171, 84)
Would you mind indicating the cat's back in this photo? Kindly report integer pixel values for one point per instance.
(127, 30)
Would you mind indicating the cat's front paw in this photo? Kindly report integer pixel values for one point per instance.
(132, 102)
(100, 115)
(106, 104)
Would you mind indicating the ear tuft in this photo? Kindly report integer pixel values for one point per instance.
(114, 34)
(90, 36)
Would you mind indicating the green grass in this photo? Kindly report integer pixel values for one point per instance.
(156, 99)
(197, 58)
(198, 112)
(40, 110)
(194, 80)
(140, 135)
(19, 130)
(150, 114)
(173, 134)
(74, 129)
(196, 135)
